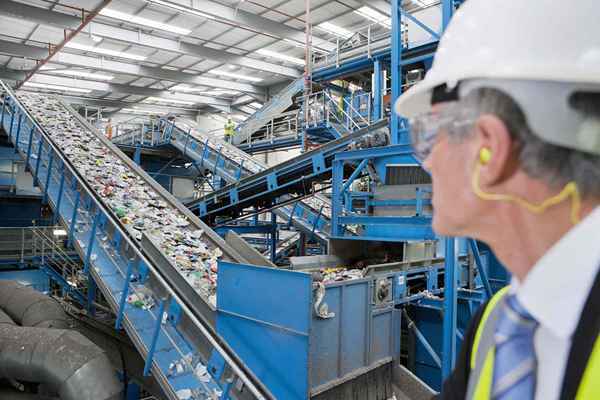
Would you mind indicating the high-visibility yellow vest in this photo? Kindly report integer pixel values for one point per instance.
(483, 351)
(229, 129)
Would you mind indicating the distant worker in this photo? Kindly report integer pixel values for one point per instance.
(229, 130)
(109, 129)
(507, 121)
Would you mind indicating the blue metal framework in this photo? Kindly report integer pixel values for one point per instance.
(118, 265)
(217, 158)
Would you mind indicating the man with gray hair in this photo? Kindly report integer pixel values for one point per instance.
(507, 122)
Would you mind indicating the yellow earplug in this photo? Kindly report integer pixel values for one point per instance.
(485, 155)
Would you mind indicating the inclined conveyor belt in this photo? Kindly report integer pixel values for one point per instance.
(311, 215)
(153, 260)
(252, 182)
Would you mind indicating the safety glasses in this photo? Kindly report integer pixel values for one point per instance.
(451, 117)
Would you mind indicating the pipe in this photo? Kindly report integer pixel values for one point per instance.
(28, 307)
(9, 394)
(66, 361)
(63, 360)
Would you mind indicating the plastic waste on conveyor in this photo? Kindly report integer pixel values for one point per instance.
(108, 204)
(138, 206)
(232, 164)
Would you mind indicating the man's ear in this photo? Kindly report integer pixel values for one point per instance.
(496, 145)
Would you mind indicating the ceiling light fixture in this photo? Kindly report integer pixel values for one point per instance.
(335, 30)
(236, 76)
(56, 87)
(186, 89)
(426, 3)
(99, 50)
(274, 54)
(107, 12)
(255, 104)
(375, 16)
(165, 100)
(140, 111)
(239, 117)
(68, 72)
(179, 7)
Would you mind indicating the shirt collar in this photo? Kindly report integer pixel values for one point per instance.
(555, 290)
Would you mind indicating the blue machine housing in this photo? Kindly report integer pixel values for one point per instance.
(267, 316)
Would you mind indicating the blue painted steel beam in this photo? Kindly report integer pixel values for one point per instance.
(377, 90)
(409, 56)
(74, 217)
(355, 174)
(420, 24)
(449, 327)
(480, 267)
(32, 130)
(124, 294)
(18, 135)
(157, 324)
(447, 11)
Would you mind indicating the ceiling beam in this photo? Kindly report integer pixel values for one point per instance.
(243, 100)
(379, 5)
(38, 15)
(119, 104)
(128, 89)
(257, 23)
(11, 74)
(22, 50)
(152, 72)
(67, 38)
(246, 109)
(61, 20)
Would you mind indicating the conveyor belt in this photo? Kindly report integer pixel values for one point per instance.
(152, 259)
(312, 215)
(274, 183)
(276, 105)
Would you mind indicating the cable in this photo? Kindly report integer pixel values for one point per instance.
(570, 189)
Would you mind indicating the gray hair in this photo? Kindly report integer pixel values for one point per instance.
(554, 165)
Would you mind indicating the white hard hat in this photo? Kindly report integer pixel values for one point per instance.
(542, 40)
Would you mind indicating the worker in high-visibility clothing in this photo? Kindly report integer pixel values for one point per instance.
(109, 129)
(507, 121)
(229, 130)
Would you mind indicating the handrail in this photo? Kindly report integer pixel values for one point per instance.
(250, 163)
(238, 367)
(363, 38)
(283, 125)
(323, 107)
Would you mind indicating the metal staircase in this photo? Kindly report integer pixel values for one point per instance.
(138, 132)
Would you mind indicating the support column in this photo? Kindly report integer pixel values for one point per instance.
(449, 331)
(447, 10)
(396, 135)
(377, 90)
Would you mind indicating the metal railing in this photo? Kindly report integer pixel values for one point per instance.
(324, 108)
(40, 245)
(368, 39)
(138, 131)
(284, 124)
(8, 179)
(276, 105)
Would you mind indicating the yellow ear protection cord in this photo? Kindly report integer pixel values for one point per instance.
(570, 189)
